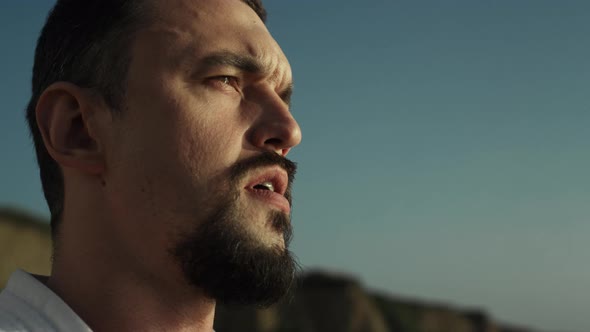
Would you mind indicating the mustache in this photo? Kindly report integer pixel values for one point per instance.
(267, 158)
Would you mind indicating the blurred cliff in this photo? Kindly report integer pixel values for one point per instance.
(322, 302)
(25, 242)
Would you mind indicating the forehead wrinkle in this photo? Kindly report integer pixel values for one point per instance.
(277, 74)
(270, 57)
(189, 11)
(172, 39)
(284, 85)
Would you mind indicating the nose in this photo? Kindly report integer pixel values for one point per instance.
(275, 129)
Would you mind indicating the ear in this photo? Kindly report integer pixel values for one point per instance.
(65, 114)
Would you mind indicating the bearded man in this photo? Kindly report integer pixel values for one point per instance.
(161, 130)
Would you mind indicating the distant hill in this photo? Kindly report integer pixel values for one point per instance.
(323, 302)
(339, 303)
(25, 242)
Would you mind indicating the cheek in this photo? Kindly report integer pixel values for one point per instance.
(175, 146)
(210, 142)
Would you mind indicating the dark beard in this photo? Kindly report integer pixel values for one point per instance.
(227, 262)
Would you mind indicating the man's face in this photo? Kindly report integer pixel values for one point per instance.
(196, 154)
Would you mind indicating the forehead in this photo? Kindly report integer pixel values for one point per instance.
(193, 28)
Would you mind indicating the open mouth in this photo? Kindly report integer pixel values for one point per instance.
(271, 186)
(266, 185)
(273, 180)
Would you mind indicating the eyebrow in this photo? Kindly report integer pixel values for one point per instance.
(244, 63)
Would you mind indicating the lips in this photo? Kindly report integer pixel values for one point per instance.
(270, 186)
(274, 180)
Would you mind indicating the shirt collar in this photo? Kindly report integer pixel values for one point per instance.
(30, 290)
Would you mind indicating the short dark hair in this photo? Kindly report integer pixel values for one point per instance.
(85, 43)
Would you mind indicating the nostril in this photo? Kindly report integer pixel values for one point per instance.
(274, 142)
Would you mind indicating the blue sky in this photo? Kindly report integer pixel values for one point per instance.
(445, 149)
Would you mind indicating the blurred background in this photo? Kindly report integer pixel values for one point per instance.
(445, 150)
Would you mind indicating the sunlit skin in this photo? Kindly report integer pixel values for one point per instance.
(207, 86)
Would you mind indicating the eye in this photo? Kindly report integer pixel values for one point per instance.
(225, 82)
(226, 79)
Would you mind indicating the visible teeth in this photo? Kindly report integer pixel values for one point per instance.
(267, 185)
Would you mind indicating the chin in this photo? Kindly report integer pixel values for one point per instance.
(235, 262)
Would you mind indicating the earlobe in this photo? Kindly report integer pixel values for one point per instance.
(64, 115)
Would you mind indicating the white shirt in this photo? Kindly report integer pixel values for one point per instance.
(26, 304)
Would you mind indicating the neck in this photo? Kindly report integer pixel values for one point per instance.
(110, 294)
(129, 303)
